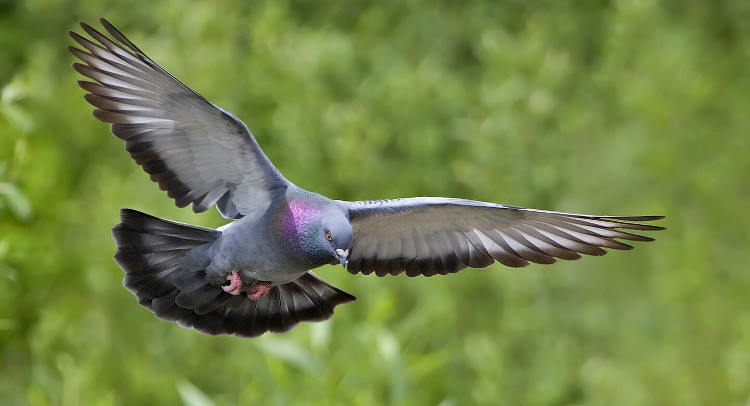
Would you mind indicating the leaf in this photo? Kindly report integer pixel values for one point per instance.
(192, 396)
(17, 117)
(290, 352)
(17, 202)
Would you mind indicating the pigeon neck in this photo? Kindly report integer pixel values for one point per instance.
(297, 225)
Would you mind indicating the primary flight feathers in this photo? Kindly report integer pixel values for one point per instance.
(203, 156)
(197, 152)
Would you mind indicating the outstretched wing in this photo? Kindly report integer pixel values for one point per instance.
(429, 236)
(197, 152)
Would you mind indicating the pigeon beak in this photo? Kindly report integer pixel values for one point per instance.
(343, 256)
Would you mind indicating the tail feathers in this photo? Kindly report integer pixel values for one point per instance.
(152, 251)
(307, 298)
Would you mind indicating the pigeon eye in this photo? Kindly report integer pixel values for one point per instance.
(329, 237)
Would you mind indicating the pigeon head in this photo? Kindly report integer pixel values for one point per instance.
(338, 233)
(315, 231)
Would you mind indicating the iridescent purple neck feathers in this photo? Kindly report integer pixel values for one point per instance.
(296, 216)
(297, 224)
(310, 228)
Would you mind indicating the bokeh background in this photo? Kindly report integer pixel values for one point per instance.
(603, 107)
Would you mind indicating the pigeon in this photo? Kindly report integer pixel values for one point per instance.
(253, 275)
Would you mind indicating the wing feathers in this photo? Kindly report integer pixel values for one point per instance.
(430, 236)
(198, 153)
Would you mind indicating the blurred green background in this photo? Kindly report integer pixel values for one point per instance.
(603, 107)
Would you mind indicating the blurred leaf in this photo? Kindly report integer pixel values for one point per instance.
(289, 351)
(18, 204)
(17, 117)
(192, 396)
(390, 350)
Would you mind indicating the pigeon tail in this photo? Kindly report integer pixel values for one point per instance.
(164, 264)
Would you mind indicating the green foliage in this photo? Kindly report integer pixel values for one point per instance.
(612, 107)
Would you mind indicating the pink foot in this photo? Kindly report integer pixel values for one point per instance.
(259, 290)
(235, 286)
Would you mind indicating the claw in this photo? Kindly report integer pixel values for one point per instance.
(259, 290)
(235, 285)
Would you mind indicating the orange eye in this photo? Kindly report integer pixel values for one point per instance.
(328, 235)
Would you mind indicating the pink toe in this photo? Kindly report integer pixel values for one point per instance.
(235, 284)
(259, 290)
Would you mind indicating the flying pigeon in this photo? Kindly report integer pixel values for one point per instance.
(254, 275)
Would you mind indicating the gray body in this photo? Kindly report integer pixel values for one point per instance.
(203, 156)
(255, 258)
(265, 259)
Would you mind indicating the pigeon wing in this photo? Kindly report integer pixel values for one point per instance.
(198, 153)
(429, 236)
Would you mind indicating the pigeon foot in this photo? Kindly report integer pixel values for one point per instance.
(235, 284)
(259, 290)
